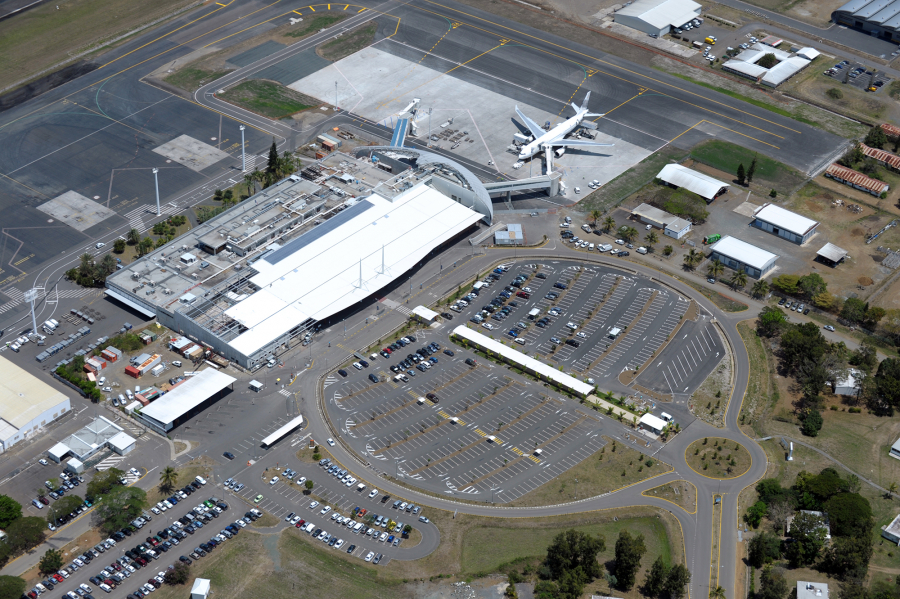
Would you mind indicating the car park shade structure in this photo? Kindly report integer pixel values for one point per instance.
(282, 432)
(526, 363)
(165, 413)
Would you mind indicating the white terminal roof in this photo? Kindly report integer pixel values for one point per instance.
(528, 363)
(832, 252)
(681, 176)
(653, 422)
(187, 396)
(745, 68)
(784, 70)
(662, 13)
(23, 396)
(785, 219)
(318, 274)
(766, 49)
(743, 252)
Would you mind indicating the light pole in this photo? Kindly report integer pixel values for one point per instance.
(335, 95)
(576, 489)
(31, 297)
(243, 152)
(429, 127)
(492, 494)
(156, 183)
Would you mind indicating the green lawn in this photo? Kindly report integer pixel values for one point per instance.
(191, 79)
(348, 43)
(487, 548)
(616, 191)
(726, 157)
(718, 458)
(268, 98)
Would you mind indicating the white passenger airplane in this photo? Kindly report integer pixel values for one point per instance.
(546, 141)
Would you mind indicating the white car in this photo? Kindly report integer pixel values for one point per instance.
(134, 471)
(155, 511)
(369, 556)
(620, 241)
(313, 505)
(488, 326)
(339, 544)
(274, 480)
(330, 441)
(99, 245)
(325, 510)
(373, 493)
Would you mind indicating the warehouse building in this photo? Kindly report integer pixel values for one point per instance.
(857, 180)
(27, 404)
(658, 17)
(671, 225)
(875, 17)
(784, 223)
(704, 186)
(186, 399)
(266, 273)
(740, 255)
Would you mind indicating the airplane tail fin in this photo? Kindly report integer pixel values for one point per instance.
(584, 104)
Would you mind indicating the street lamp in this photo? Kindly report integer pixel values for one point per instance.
(576, 489)
(156, 183)
(243, 152)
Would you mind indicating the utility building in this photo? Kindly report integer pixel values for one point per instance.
(740, 255)
(658, 17)
(784, 223)
(831, 254)
(671, 225)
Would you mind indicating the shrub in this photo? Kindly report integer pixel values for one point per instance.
(834, 93)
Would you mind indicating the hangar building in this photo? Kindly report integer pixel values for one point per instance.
(265, 273)
(27, 404)
(704, 186)
(740, 255)
(875, 17)
(658, 17)
(784, 223)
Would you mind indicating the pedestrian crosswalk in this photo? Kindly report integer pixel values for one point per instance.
(329, 380)
(110, 462)
(17, 297)
(136, 217)
(285, 391)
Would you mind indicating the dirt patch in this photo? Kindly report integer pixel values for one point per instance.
(680, 492)
(710, 401)
(348, 43)
(814, 207)
(866, 281)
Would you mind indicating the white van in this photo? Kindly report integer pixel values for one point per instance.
(101, 381)
(200, 479)
(176, 363)
(642, 250)
(130, 394)
(666, 417)
(591, 247)
(121, 399)
(520, 341)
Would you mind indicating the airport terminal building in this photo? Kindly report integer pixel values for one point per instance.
(261, 276)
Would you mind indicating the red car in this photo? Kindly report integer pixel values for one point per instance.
(362, 512)
(301, 523)
(388, 350)
(58, 577)
(44, 500)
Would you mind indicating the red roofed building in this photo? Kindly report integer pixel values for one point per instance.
(852, 178)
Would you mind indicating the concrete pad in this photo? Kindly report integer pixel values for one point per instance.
(377, 85)
(75, 210)
(191, 152)
(746, 208)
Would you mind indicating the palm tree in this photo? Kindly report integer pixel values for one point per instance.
(717, 593)
(133, 237)
(738, 279)
(86, 268)
(248, 179)
(595, 216)
(628, 233)
(651, 238)
(609, 224)
(168, 478)
(692, 258)
(107, 265)
(892, 488)
(715, 268)
(760, 288)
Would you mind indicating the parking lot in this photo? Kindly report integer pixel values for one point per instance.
(858, 75)
(476, 430)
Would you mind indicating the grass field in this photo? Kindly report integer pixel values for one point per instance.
(268, 98)
(680, 492)
(718, 458)
(348, 43)
(315, 23)
(757, 398)
(44, 36)
(191, 79)
(726, 157)
(613, 467)
(613, 193)
(721, 301)
(267, 520)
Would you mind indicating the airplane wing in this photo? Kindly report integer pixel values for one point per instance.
(532, 126)
(574, 143)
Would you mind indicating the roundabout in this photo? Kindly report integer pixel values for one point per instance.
(714, 457)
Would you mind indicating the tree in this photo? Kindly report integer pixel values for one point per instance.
(180, 574)
(145, 246)
(272, 162)
(168, 478)
(25, 533)
(752, 170)
(573, 550)
(10, 510)
(120, 506)
(248, 181)
(628, 233)
(768, 61)
(667, 251)
(760, 288)
(738, 279)
(63, 506)
(812, 422)
(852, 155)
(808, 533)
(133, 237)
(755, 514)
(651, 238)
(629, 551)
(107, 266)
(119, 246)
(854, 309)
(772, 585)
(718, 592)
(812, 284)
(679, 577)
(103, 482)
(741, 175)
(692, 258)
(715, 268)
(887, 381)
(309, 485)
(850, 515)
(86, 266)
(848, 557)
(789, 284)
(762, 549)
(51, 562)
(876, 138)
(595, 216)
(609, 223)
(656, 579)
(11, 587)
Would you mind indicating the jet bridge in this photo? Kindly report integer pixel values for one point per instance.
(549, 182)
